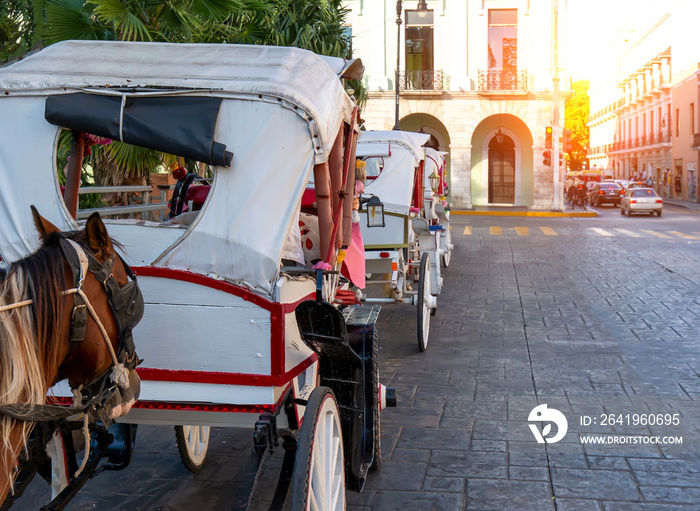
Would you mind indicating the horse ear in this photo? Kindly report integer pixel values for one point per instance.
(97, 238)
(42, 224)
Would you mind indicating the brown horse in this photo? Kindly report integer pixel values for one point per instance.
(36, 312)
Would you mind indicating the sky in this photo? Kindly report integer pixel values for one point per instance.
(597, 29)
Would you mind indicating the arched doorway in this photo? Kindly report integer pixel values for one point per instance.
(485, 147)
(501, 170)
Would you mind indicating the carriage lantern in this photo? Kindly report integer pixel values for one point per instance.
(434, 181)
(375, 212)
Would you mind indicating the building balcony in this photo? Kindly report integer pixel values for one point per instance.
(421, 80)
(501, 80)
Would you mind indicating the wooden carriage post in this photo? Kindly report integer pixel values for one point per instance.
(74, 171)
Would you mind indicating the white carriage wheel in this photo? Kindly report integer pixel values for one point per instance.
(318, 482)
(424, 310)
(447, 256)
(192, 444)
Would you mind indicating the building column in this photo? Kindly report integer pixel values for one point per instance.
(461, 165)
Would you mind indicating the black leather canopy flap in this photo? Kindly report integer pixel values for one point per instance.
(180, 125)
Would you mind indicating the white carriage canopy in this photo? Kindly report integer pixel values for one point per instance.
(402, 151)
(262, 115)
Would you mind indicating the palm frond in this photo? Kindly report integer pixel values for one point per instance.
(125, 21)
(71, 19)
(133, 160)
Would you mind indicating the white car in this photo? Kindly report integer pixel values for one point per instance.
(641, 200)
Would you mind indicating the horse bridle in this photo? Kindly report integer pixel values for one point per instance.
(126, 302)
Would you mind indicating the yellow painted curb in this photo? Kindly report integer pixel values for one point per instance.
(549, 214)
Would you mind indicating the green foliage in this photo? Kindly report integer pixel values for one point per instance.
(16, 29)
(87, 178)
(72, 19)
(577, 113)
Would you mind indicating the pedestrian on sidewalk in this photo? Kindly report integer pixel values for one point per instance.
(571, 195)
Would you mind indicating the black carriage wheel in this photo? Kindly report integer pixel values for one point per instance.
(424, 311)
(377, 459)
(318, 482)
(192, 444)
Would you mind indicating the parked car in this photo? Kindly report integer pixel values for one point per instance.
(641, 200)
(605, 193)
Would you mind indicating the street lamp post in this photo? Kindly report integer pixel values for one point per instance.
(399, 10)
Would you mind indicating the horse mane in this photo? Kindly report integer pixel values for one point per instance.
(29, 351)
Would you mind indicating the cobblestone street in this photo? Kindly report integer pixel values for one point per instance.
(588, 324)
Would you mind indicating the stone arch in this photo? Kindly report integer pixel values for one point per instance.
(524, 179)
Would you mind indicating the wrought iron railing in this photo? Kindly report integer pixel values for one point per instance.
(421, 80)
(504, 80)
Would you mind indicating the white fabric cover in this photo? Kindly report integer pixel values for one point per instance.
(298, 77)
(394, 186)
(240, 232)
(414, 142)
(27, 170)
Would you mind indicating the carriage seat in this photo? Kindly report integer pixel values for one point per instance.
(310, 237)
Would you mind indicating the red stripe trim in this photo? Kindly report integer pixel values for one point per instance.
(217, 378)
(277, 325)
(200, 407)
(194, 407)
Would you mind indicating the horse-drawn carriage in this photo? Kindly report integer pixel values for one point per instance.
(238, 330)
(408, 245)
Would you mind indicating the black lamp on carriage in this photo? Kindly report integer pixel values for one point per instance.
(434, 179)
(375, 211)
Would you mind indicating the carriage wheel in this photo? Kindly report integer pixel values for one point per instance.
(192, 443)
(447, 256)
(377, 459)
(318, 483)
(424, 311)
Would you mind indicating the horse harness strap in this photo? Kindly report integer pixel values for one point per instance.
(126, 302)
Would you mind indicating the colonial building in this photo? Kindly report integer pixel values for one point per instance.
(477, 75)
(644, 119)
(631, 110)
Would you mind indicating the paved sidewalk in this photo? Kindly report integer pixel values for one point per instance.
(694, 206)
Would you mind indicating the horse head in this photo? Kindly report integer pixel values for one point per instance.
(110, 290)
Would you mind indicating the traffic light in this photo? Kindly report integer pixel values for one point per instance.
(567, 141)
(547, 157)
(561, 159)
(548, 137)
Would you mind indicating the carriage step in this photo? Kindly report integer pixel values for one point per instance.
(361, 315)
(321, 337)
